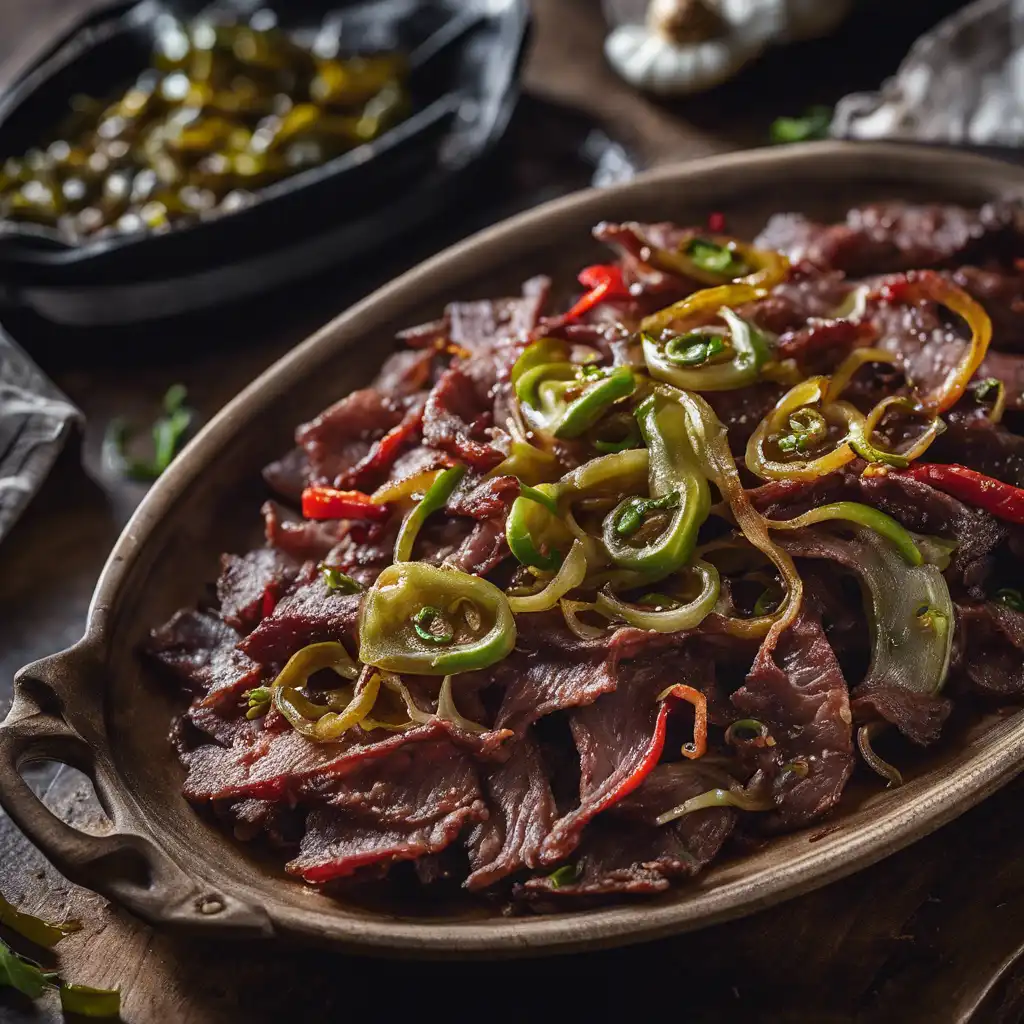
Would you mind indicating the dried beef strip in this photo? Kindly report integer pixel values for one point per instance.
(413, 804)
(302, 539)
(991, 649)
(626, 852)
(200, 650)
(620, 738)
(918, 716)
(916, 505)
(521, 811)
(458, 420)
(888, 237)
(798, 691)
(309, 614)
(250, 585)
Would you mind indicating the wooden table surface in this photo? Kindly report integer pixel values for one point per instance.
(934, 933)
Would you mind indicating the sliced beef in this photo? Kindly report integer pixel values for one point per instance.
(222, 720)
(620, 738)
(797, 689)
(475, 326)
(309, 614)
(483, 550)
(919, 716)
(927, 346)
(825, 339)
(992, 648)
(301, 539)
(743, 409)
(200, 650)
(250, 585)
(373, 468)
(484, 499)
(917, 506)
(521, 810)
(342, 435)
(282, 765)
(414, 804)
(282, 826)
(288, 475)
(894, 236)
(651, 285)
(988, 447)
(405, 372)
(550, 670)
(458, 420)
(805, 295)
(626, 851)
(364, 549)
(1002, 295)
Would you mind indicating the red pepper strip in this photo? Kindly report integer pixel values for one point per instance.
(716, 222)
(330, 503)
(985, 492)
(628, 774)
(382, 454)
(699, 747)
(604, 281)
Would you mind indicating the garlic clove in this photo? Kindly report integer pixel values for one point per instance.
(650, 62)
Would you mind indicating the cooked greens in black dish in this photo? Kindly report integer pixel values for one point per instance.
(225, 109)
(565, 604)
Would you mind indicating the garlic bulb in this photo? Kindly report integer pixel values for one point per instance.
(687, 46)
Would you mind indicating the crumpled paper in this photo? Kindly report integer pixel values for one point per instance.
(961, 84)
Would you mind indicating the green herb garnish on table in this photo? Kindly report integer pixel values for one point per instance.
(168, 432)
(813, 125)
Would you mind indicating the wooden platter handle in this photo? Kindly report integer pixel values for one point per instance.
(125, 865)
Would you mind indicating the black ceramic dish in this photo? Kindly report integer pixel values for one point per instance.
(465, 56)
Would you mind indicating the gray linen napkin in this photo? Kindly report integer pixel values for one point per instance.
(35, 422)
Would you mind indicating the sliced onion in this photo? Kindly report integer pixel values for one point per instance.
(920, 445)
(447, 711)
(569, 576)
(909, 609)
(417, 716)
(625, 471)
(670, 620)
(732, 797)
(936, 550)
(852, 363)
(335, 723)
(877, 764)
(412, 488)
(710, 443)
(995, 413)
(571, 612)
